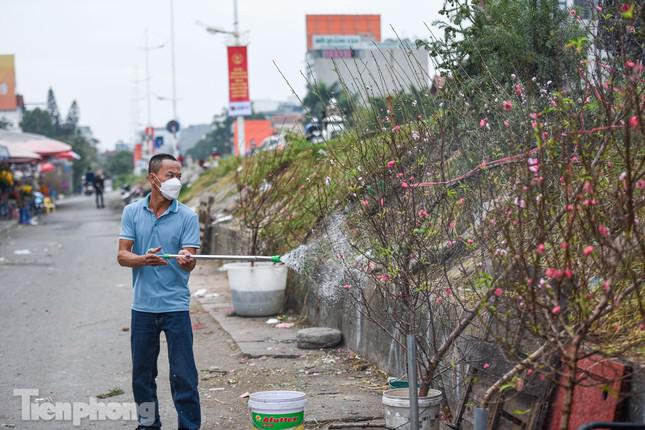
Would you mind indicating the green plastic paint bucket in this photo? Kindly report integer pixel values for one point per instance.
(278, 410)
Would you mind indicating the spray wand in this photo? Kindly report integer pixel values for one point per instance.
(273, 259)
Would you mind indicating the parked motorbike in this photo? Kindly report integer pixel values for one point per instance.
(129, 195)
(88, 188)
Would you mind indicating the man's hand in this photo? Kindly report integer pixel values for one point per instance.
(151, 259)
(185, 259)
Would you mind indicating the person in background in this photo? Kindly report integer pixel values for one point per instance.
(99, 186)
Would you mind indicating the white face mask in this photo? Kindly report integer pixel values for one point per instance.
(170, 188)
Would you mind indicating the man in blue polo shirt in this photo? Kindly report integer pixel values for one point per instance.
(159, 224)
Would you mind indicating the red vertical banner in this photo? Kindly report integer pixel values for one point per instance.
(137, 153)
(238, 81)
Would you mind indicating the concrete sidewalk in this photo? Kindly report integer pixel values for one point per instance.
(343, 390)
(6, 226)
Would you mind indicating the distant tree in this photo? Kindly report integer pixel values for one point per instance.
(119, 163)
(73, 115)
(47, 123)
(52, 107)
(4, 123)
(87, 152)
(220, 138)
(38, 121)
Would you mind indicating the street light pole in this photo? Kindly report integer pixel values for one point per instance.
(147, 148)
(236, 37)
(148, 102)
(240, 118)
(174, 81)
(172, 59)
(236, 24)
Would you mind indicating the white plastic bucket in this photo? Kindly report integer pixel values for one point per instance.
(257, 290)
(397, 409)
(278, 410)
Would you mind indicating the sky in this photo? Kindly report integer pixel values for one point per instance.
(91, 51)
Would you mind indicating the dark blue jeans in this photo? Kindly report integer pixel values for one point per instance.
(144, 339)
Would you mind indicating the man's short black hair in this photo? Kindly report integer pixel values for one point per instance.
(157, 160)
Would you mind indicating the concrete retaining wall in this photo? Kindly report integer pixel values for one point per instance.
(369, 340)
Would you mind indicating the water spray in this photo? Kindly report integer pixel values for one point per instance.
(252, 258)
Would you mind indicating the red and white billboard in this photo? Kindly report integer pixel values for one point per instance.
(238, 82)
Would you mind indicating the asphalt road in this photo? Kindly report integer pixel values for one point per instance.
(65, 315)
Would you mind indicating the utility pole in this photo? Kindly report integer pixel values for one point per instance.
(172, 59)
(174, 81)
(147, 148)
(148, 103)
(240, 118)
(237, 41)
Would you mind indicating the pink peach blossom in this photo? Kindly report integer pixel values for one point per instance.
(507, 124)
(422, 213)
(486, 365)
(507, 105)
(587, 187)
(540, 248)
(606, 286)
(534, 165)
(384, 278)
(483, 122)
(499, 292)
(556, 310)
(603, 230)
(391, 164)
(587, 251)
(404, 185)
(633, 121)
(553, 273)
(518, 89)
(365, 203)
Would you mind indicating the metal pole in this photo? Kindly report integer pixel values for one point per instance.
(148, 103)
(481, 419)
(273, 259)
(240, 118)
(172, 59)
(240, 136)
(412, 382)
(175, 143)
(236, 24)
(146, 147)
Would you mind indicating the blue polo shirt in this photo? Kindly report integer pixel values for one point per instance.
(160, 288)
